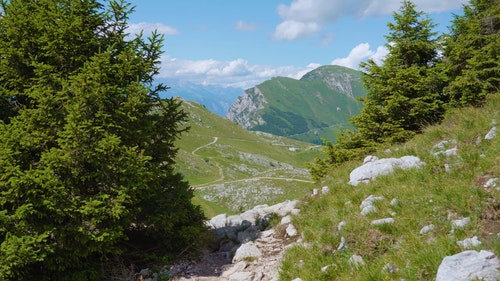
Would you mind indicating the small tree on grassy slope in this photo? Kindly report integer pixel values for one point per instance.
(86, 145)
(405, 92)
(473, 53)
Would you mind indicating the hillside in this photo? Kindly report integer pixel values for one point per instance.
(436, 210)
(308, 109)
(233, 169)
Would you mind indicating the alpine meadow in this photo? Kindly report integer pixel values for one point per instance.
(386, 172)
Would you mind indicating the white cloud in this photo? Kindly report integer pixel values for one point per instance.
(245, 26)
(305, 17)
(291, 30)
(235, 73)
(148, 28)
(361, 53)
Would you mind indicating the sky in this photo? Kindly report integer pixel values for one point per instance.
(241, 43)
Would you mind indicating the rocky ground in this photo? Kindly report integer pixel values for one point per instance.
(248, 247)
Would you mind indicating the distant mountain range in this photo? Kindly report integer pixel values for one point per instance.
(308, 109)
(215, 98)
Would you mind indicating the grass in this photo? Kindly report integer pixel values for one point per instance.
(232, 169)
(427, 195)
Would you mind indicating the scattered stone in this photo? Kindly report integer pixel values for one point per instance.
(492, 183)
(426, 229)
(246, 251)
(469, 265)
(444, 145)
(297, 279)
(343, 245)
(367, 206)
(291, 231)
(394, 202)
(341, 225)
(491, 134)
(356, 261)
(369, 210)
(374, 167)
(325, 190)
(459, 224)
(469, 243)
(315, 192)
(383, 221)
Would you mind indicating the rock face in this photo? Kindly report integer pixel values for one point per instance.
(373, 167)
(244, 110)
(246, 249)
(468, 266)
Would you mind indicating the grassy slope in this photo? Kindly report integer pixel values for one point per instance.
(427, 195)
(239, 169)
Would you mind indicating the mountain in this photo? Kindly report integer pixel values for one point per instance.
(232, 169)
(217, 99)
(308, 109)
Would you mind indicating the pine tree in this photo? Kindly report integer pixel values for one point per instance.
(86, 144)
(473, 53)
(405, 92)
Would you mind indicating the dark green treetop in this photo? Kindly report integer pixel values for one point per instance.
(405, 92)
(472, 50)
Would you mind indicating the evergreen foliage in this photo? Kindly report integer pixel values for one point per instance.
(87, 146)
(405, 93)
(473, 53)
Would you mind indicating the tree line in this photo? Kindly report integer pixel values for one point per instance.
(423, 75)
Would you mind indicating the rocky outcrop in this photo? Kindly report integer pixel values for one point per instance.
(468, 266)
(246, 247)
(244, 110)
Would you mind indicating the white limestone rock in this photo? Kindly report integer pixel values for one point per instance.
(218, 221)
(383, 221)
(468, 243)
(374, 168)
(291, 231)
(356, 261)
(469, 265)
(426, 229)
(491, 134)
(247, 251)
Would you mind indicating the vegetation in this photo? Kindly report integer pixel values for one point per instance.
(87, 147)
(233, 169)
(302, 109)
(428, 195)
(421, 77)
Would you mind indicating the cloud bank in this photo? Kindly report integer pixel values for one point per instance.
(235, 73)
(241, 74)
(303, 18)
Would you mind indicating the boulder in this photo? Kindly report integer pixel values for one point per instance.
(376, 167)
(247, 251)
(218, 221)
(469, 265)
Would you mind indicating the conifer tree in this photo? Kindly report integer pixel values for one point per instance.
(405, 92)
(86, 144)
(473, 53)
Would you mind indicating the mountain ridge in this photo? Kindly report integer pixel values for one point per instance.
(307, 109)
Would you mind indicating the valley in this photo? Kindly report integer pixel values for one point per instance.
(232, 169)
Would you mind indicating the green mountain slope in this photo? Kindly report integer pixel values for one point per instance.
(308, 109)
(233, 169)
(448, 187)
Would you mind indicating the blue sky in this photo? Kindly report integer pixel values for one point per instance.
(244, 42)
